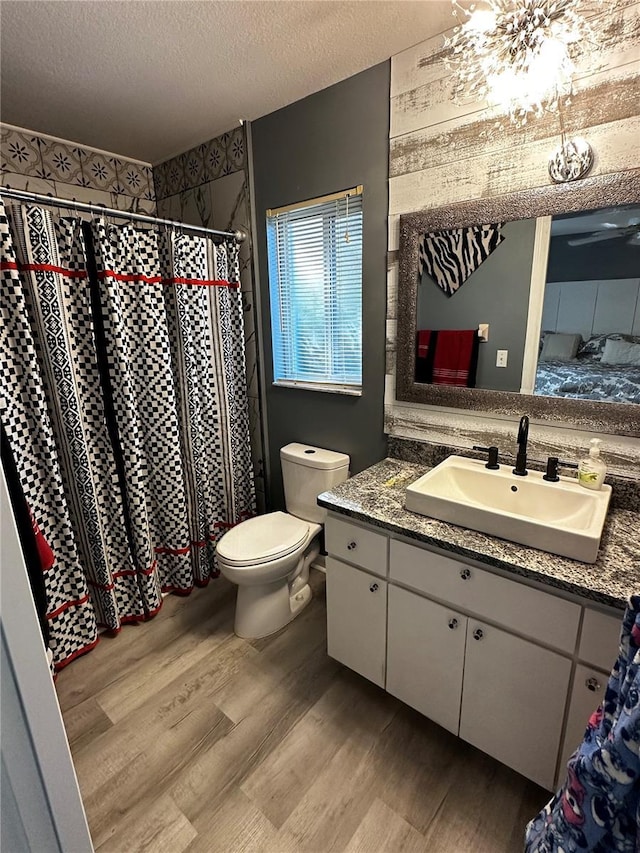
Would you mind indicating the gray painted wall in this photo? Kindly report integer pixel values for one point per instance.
(330, 141)
(497, 293)
(592, 262)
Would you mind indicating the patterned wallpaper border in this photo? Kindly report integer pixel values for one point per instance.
(221, 156)
(36, 156)
(42, 158)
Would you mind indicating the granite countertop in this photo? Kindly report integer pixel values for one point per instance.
(376, 496)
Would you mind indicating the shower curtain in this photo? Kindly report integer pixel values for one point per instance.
(124, 402)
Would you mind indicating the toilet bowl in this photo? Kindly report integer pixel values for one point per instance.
(269, 556)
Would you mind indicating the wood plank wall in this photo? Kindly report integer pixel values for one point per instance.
(439, 154)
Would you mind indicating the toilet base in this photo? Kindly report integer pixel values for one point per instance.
(262, 610)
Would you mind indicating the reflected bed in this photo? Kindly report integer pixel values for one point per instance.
(585, 379)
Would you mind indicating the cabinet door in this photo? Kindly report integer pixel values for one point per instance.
(588, 692)
(600, 639)
(425, 656)
(357, 619)
(513, 700)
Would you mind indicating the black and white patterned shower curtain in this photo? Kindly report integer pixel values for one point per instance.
(124, 401)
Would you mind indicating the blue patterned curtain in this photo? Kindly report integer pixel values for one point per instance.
(124, 402)
(598, 807)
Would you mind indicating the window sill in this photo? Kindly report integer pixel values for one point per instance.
(345, 390)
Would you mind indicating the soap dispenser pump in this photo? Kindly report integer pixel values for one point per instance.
(592, 469)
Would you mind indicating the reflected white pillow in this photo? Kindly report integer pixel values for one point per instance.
(621, 352)
(559, 347)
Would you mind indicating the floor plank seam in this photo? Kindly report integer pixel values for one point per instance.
(312, 759)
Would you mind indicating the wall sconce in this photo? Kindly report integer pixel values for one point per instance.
(521, 56)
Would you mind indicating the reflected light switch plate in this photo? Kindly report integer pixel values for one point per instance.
(501, 357)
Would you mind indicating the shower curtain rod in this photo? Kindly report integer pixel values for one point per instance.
(24, 195)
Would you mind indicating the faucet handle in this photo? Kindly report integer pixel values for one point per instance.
(553, 463)
(492, 462)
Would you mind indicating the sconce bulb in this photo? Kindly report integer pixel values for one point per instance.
(482, 21)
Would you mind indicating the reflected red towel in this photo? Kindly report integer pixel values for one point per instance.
(456, 357)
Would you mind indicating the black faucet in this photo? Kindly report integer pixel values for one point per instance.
(521, 458)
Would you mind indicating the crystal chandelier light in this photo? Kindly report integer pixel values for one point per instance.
(521, 56)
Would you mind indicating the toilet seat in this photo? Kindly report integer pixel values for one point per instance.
(263, 539)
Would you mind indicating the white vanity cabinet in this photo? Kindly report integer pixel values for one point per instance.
(357, 620)
(495, 660)
(513, 605)
(357, 545)
(503, 694)
(513, 700)
(587, 693)
(425, 656)
(597, 653)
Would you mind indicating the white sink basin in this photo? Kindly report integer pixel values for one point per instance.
(562, 518)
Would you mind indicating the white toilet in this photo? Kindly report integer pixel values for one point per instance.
(268, 557)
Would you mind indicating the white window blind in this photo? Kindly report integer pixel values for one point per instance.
(315, 284)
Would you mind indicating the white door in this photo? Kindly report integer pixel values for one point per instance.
(357, 619)
(513, 700)
(425, 656)
(588, 692)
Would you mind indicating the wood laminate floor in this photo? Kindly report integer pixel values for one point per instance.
(186, 738)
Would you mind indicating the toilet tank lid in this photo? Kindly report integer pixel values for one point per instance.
(314, 457)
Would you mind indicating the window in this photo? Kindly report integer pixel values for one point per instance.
(315, 284)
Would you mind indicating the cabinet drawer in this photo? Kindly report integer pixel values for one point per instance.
(514, 605)
(357, 545)
(589, 686)
(600, 639)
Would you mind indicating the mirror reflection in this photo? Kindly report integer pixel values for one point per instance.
(548, 306)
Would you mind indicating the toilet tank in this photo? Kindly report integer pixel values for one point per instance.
(306, 472)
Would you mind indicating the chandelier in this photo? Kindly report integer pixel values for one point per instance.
(521, 55)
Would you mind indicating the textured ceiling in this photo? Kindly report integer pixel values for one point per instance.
(151, 79)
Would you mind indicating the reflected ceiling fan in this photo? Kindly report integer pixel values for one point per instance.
(611, 231)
